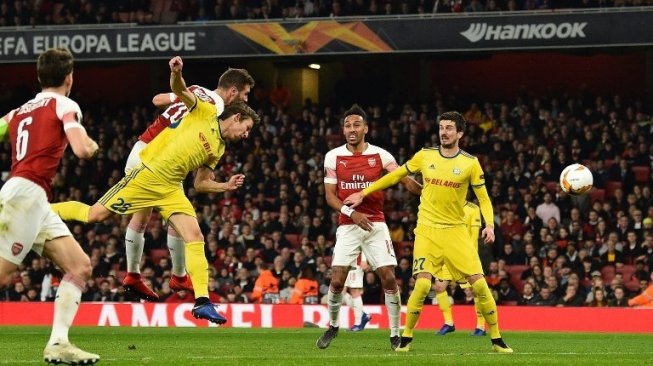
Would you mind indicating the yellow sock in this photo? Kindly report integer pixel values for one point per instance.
(415, 304)
(487, 306)
(445, 306)
(71, 210)
(197, 268)
(480, 320)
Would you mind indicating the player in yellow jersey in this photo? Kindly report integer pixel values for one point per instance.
(196, 142)
(473, 222)
(441, 235)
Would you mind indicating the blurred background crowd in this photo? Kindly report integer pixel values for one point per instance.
(552, 249)
(59, 12)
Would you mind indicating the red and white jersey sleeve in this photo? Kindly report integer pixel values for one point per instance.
(38, 138)
(177, 110)
(354, 172)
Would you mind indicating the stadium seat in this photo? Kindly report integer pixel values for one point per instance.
(294, 240)
(642, 174)
(157, 254)
(597, 194)
(509, 303)
(627, 271)
(608, 163)
(515, 273)
(610, 187)
(551, 186)
(607, 273)
(632, 286)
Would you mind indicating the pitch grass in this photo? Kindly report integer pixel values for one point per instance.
(210, 346)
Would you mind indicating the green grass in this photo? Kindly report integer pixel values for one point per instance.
(210, 346)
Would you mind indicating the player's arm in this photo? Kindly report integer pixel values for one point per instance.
(411, 184)
(83, 146)
(205, 181)
(335, 203)
(163, 100)
(384, 182)
(178, 85)
(4, 127)
(478, 185)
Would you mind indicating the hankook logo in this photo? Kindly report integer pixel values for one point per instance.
(479, 31)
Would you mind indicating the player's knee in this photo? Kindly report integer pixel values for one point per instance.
(82, 268)
(422, 286)
(97, 214)
(441, 286)
(137, 224)
(336, 286)
(173, 232)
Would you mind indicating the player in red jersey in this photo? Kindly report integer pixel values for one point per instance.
(233, 85)
(39, 132)
(347, 169)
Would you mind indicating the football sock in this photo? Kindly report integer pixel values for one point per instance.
(487, 306)
(71, 210)
(445, 306)
(415, 304)
(347, 299)
(198, 268)
(334, 300)
(357, 304)
(176, 247)
(480, 320)
(134, 243)
(393, 305)
(66, 303)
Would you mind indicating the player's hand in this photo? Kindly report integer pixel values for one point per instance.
(354, 199)
(362, 221)
(176, 64)
(488, 235)
(235, 181)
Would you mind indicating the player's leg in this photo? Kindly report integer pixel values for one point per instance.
(380, 254)
(480, 320)
(346, 250)
(442, 296)
(179, 279)
(463, 262)
(134, 244)
(426, 259)
(353, 298)
(66, 253)
(185, 223)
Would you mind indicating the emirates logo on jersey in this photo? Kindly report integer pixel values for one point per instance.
(16, 248)
(372, 162)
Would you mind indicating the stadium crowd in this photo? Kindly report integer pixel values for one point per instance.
(59, 12)
(551, 248)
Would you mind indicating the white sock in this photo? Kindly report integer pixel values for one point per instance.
(358, 309)
(347, 299)
(66, 303)
(393, 305)
(176, 247)
(334, 301)
(134, 244)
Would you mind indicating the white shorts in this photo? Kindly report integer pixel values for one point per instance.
(134, 156)
(26, 220)
(375, 244)
(355, 278)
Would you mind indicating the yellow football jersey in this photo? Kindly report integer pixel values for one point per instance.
(445, 185)
(472, 220)
(186, 145)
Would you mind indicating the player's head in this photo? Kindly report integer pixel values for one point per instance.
(452, 127)
(237, 120)
(234, 85)
(55, 69)
(354, 125)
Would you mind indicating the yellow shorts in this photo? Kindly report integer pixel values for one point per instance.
(140, 189)
(450, 246)
(446, 276)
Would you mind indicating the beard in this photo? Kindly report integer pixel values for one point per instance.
(448, 145)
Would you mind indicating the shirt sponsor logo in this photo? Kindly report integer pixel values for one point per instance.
(206, 145)
(487, 32)
(442, 182)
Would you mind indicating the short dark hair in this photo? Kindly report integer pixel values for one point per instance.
(243, 109)
(354, 110)
(53, 66)
(456, 117)
(235, 77)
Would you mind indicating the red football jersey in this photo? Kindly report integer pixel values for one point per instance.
(352, 173)
(38, 139)
(177, 110)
